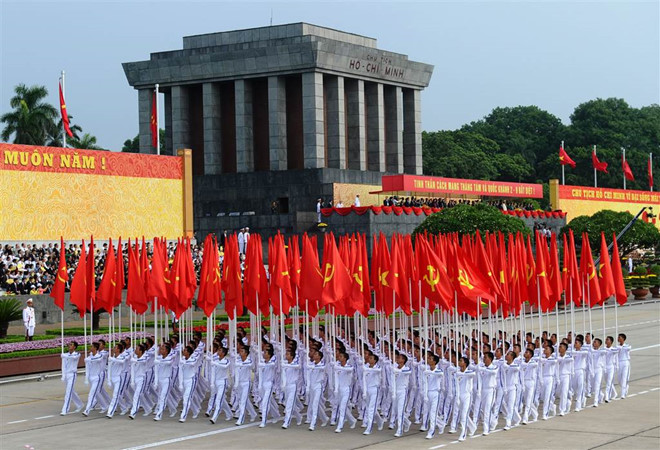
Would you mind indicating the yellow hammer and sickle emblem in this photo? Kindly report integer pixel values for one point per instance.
(285, 273)
(542, 274)
(463, 279)
(502, 279)
(433, 276)
(530, 273)
(383, 277)
(358, 280)
(593, 274)
(329, 273)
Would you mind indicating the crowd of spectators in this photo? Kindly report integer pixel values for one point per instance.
(435, 202)
(30, 269)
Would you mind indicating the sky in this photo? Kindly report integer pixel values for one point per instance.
(553, 54)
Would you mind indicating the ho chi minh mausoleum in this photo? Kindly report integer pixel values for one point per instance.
(285, 113)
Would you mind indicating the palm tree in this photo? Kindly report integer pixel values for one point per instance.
(55, 133)
(31, 117)
(87, 141)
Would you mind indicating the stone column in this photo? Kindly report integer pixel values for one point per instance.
(336, 126)
(212, 129)
(180, 115)
(244, 137)
(356, 127)
(169, 149)
(375, 126)
(277, 122)
(394, 129)
(313, 129)
(145, 99)
(412, 131)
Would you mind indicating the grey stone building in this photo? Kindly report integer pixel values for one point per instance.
(281, 113)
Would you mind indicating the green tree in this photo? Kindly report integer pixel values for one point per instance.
(31, 118)
(55, 133)
(523, 130)
(133, 145)
(459, 154)
(87, 141)
(641, 235)
(467, 219)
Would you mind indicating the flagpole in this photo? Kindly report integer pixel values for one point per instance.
(595, 175)
(157, 124)
(650, 172)
(624, 172)
(563, 181)
(64, 129)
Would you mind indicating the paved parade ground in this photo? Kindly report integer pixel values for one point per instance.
(29, 415)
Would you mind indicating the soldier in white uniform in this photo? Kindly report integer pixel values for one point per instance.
(433, 384)
(344, 374)
(267, 368)
(548, 376)
(163, 376)
(580, 360)
(530, 375)
(464, 378)
(95, 376)
(597, 354)
(624, 364)
(489, 375)
(402, 374)
(291, 371)
(28, 320)
(69, 374)
(219, 380)
(565, 372)
(371, 386)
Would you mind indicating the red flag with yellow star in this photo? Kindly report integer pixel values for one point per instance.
(588, 273)
(65, 115)
(57, 292)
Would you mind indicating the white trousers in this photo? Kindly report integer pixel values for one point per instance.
(70, 393)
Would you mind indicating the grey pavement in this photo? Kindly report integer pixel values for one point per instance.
(29, 415)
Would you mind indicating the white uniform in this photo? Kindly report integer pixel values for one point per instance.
(400, 398)
(69, 374)
(611, 366)
(219, 385)
(434, 382)
(118, 378)
(266, 381)
(624, 368)
(95, 376)
(489, 376)
(580, 360)
(242, 378)
(188, 373)
(162, 383)
(316, 384)
(530, 375)
(343, 381)
(372, 382)
(548, 375)
(139, 369)
(597, 365)
(464, 383)
(29, 320)
(565, 372)
(511, 380)
(290, 382)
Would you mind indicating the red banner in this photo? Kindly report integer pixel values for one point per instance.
(71, 160)
(438, 185)
(607, 195)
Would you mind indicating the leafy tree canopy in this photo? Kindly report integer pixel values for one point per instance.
(641, 235)
(466, 219)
